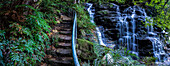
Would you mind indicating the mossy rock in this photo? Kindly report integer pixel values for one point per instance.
(85, 49)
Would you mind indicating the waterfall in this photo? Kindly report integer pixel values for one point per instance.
(91, 13)
(158, 49)
(128, 25)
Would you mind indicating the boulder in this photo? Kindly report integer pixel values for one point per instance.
(85, 50)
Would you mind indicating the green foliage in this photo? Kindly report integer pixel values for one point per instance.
(118, 56)
(2, 37)
(86, 48)
(83, 20)
(1, 5)
(149, 60)
(161, 11)
(28, 41)
(104, 1)
(23, 43)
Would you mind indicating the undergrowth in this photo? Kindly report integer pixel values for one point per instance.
(101, 55)
(26, 26)
(24, 31)
(104, 56)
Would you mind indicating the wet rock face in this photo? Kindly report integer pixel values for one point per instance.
(145, 47)
(126, 23)
(128, 27)
(105, 16)
(108, 16)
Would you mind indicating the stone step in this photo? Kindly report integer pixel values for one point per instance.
(61, 24)
(63, 29)
(51, 51)
(65, 26)
(60, 54)
(65, 32)
(66, 41)
(52, 47)
(64, 52)
(60, 61)
(63, 44)
(66, 22)
(66, 29)
(65, 37)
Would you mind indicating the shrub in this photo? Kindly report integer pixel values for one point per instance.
(23, 33)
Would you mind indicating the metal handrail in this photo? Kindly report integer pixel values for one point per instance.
(74, 38)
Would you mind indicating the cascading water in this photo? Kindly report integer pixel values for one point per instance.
(91, 13)
(156, 43)
(103, 40)
(128, 24)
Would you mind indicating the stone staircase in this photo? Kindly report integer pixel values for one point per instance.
(60, 54)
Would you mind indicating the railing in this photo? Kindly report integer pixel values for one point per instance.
(74, 38)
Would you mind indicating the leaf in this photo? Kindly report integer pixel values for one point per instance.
(156, 1)
(134, 3)
(146, 3)
(26, 6)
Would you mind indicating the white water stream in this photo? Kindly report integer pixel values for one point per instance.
(91, 13)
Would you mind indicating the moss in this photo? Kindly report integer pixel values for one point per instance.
(149, 60)
(85, 48)
(103, 12)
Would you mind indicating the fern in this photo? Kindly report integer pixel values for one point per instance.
(27, 40)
